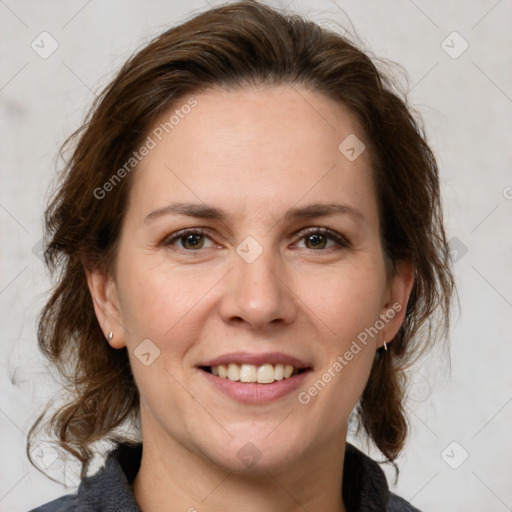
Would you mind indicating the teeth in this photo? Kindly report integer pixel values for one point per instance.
(247, 373)
(233, 372)
(278, 372)
(264, 374)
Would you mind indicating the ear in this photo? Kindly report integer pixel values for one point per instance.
(397, 297)
(106, 305)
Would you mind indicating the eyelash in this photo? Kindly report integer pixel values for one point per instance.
(341, 240)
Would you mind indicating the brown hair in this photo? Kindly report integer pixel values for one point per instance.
(239, 44)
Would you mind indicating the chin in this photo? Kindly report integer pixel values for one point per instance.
(258, 454)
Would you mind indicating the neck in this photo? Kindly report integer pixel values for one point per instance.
(173, 478)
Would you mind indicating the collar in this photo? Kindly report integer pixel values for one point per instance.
(365, 488)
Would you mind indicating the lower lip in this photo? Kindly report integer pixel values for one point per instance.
(254, 393)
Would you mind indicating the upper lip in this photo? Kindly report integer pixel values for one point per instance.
(257, 359)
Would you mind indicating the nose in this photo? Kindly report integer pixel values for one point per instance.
(257, 295)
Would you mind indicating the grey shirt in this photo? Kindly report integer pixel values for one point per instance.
(365, 488)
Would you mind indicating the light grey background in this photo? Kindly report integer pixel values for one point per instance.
(467, 106)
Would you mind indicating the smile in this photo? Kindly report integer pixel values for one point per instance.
(256, 393)
(257, 379)
(263, 374)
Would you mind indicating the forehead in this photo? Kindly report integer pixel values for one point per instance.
(252, 146)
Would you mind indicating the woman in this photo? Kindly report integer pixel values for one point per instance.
(251, 249)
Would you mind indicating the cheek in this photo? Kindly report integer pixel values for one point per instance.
(346, 300)
(346, 347)
(345, 306)
(166, 305)
(157, 299)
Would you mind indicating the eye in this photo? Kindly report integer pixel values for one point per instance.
(314, 238)
(317, 238)
(189, 239)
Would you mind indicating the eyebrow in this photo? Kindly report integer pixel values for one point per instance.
(203, 211)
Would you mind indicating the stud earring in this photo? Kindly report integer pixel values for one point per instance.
(110, 335)
(385, 346)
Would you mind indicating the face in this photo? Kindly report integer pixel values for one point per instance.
(250, 238)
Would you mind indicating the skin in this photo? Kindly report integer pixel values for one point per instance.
(255, 153)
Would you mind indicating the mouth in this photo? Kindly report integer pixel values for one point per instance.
(249, 373)
(255, 379)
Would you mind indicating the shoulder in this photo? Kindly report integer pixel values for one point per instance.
(63, 504)
(397, 504)
(365, 487)
(108, 490)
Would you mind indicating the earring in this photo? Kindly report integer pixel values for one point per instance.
(385, 346)
(110, 335)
